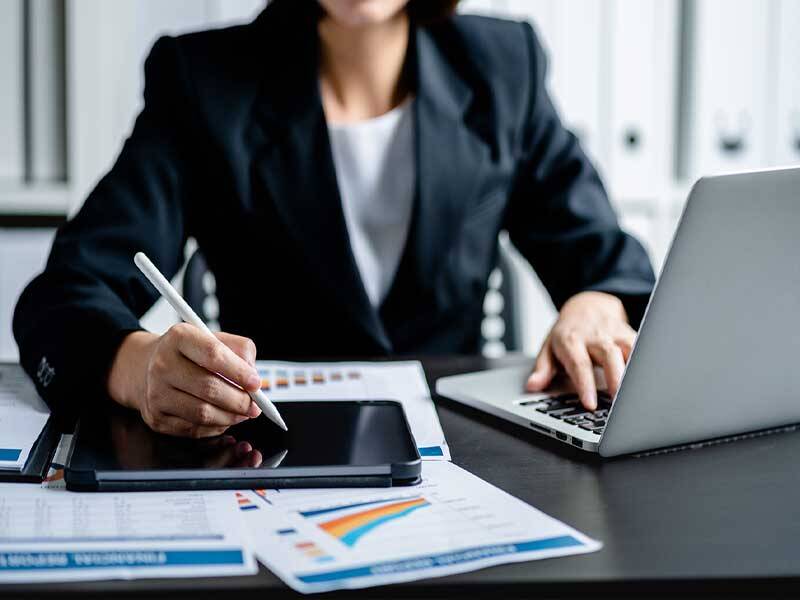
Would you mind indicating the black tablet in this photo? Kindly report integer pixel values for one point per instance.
(329, 444)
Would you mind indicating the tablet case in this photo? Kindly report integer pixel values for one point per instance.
(82, 472)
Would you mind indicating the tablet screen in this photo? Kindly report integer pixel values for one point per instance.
(346, 433)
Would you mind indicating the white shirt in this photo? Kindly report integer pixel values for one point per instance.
(376, 173)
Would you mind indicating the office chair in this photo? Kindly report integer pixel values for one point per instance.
(502, 321)
(199, 290)
(500, 328)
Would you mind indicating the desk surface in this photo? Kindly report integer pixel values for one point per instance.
(722, 519)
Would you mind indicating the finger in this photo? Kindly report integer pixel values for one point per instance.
(213, 355)
(241, 346)
(172, 425)
(198, 382)
(544, 370)
(578, 365)
(198, 412)
(252, 459)
(246, 349)
(608, 355)
(625, 339)
(225, 458)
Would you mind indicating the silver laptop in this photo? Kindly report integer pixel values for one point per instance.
(718, 352)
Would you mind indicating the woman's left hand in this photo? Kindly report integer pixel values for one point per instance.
(592, 329)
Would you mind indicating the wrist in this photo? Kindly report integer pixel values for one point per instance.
(603, 302)
(126, 379)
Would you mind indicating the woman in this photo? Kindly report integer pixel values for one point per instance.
(345, 167)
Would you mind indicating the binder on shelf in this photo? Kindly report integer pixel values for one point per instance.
(725, 112)
(785, 134)
(643, 56)
(45, 94)
(12, 111)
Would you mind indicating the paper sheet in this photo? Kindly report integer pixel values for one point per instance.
(23, 415)
(401, 381)
(55, 535)
(321, 540)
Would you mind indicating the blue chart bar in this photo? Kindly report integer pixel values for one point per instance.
(418, 563)
(10, 454)
(111, 559)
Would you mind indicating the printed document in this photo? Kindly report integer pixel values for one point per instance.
(401, 381)
(23, 415)
(321, 540)
(56, 535)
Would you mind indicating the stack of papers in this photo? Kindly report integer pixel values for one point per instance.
(400, 381)
(56, 535)
(23, 415)
(314, 540)
(322, 540)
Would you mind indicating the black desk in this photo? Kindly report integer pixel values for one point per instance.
(719, 520)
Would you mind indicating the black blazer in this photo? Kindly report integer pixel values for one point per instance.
(232, 149)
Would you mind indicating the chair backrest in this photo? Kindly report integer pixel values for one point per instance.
(502, 322)
(500, 329)
(199, 289)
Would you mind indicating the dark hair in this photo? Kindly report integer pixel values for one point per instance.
(421, 12)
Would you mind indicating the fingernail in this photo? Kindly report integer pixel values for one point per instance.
(253, 411)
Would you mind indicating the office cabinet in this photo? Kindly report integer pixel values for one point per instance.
(727, 85)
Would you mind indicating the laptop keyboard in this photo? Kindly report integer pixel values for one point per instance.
(567, 408)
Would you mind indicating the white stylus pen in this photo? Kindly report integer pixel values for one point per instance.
(171, 295)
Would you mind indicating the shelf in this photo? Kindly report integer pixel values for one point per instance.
(35, 200)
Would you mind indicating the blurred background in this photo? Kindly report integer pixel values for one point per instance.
(659, 92)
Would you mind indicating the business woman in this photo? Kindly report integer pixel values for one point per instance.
(345, 166)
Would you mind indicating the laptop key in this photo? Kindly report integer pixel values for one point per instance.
(564, 398)
(559, 414)
(576, 412)
(532, 402)
(556, 406)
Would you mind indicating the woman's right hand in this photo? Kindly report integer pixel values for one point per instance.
(174, 380)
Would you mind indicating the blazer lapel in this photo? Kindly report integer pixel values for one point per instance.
(451, 160)
(451, 157)
(292, 159)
